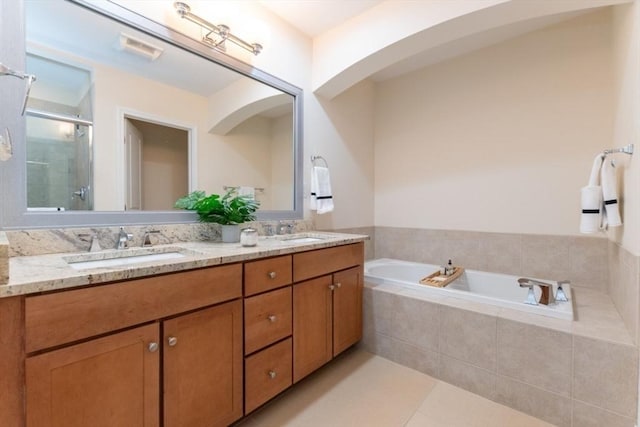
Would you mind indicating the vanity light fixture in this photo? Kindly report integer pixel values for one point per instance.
(222, 31)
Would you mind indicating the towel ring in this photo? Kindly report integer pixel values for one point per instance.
(314, 158)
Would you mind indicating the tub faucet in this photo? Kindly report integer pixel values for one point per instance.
(123, 239)
(546, 298)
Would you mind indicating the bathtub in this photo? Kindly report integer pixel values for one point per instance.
(500, 290)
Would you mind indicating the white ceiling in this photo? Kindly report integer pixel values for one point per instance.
(314, 17)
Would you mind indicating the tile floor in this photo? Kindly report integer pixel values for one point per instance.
(362, 389)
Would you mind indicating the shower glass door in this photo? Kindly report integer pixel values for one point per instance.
(59, 175)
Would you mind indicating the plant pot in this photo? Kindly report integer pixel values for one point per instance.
(230, 233)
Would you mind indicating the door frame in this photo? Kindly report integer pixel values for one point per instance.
(192, 150)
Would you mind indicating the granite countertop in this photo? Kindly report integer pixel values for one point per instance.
(41, 273)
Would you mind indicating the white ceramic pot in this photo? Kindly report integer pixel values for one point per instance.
(230, 233)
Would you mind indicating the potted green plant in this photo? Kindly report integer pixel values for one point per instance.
(229, 210)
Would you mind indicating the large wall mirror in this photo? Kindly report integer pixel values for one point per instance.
(127, 115)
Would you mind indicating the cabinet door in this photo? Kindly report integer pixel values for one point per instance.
(110, 381)
(347, 309)
(311, 326)
(203, 367)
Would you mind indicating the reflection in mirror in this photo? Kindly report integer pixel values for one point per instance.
(146, 122)
(59, 130)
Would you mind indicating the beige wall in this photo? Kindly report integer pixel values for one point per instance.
(345, 139)
(501, 139)
(626, 61)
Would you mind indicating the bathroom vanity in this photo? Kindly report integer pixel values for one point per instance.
(206, 344)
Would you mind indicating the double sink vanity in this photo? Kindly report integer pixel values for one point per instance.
(186, 334)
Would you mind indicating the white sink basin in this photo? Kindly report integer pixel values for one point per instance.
(121, 258)
(302, 238)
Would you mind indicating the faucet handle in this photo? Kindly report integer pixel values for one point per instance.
(560, 293)
(531, 295)
(146, 239)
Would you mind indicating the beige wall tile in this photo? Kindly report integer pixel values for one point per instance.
(606, 375)
(588, 262)
(545, 257)
(416, 322)
(378, 309)
(547, 406)
(536, 356)
(468, 377)
(414, 357)
(590, 416)
(503, 252)
(469, 337)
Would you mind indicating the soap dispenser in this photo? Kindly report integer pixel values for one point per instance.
(448, 270)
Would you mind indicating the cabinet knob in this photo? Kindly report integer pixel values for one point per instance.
(172, 341)
(153, 347)
(272, 318)
(331, 287)
(272, 374)
(272, 275)
(338, 284)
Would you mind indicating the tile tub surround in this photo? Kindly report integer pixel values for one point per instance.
(624, 286)
(583, 260)
(561, 372)
(49, 241)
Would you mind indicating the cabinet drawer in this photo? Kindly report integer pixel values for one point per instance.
(267, 373)
(264, 275)
(267, 318)
(324, 261)
(63, 317)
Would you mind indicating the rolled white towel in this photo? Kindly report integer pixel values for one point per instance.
(591, 202)
(610, 194)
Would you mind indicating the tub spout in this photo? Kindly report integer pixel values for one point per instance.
(546, 297)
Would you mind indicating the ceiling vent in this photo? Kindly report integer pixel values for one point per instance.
(139, 47)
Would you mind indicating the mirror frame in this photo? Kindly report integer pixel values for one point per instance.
(13, 207)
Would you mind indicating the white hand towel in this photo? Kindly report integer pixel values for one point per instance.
(591, 200)
(610, 194)
(321, 196)
(249, 192)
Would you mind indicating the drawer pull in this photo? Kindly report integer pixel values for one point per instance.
(272, 275)
(172, 341)
(153, 347)
(272, 318)
(338, 285)
(331, 287)
(272, 374)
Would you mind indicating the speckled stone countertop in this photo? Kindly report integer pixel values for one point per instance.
(42, 273)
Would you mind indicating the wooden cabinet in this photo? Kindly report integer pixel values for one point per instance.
(267, 329)
(203, 367)
(110, 381)
(268, 372)
(327, 310)
(115, 380)
(190, 349)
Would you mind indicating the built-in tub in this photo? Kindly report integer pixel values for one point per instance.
(490, 288)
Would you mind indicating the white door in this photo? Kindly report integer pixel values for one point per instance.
(133, 166)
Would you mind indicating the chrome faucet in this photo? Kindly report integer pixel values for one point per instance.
(546, 297)
(284, 228)
(123, 239)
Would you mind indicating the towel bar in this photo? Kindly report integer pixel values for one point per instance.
(628, 149)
